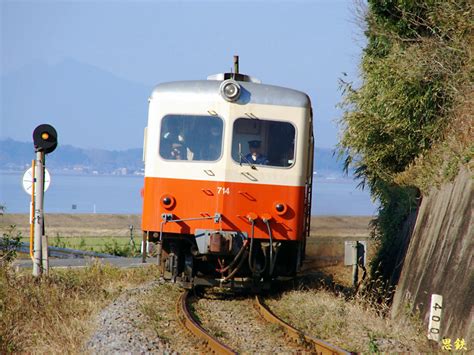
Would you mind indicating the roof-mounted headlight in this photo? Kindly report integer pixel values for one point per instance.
(230, 90)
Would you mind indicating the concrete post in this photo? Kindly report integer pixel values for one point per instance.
(39, 223)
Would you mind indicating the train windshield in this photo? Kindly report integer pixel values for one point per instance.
(263, 142)
(185, 137)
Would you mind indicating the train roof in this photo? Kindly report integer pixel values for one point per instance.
(254, 93)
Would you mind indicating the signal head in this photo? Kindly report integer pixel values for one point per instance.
(45, 138)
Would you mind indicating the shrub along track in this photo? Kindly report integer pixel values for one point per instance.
(238, 323)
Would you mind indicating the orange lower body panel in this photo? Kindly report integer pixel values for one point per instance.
(233, 201)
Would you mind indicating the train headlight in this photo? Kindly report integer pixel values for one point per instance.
(230, 90)
(281, 208)
(167, 201)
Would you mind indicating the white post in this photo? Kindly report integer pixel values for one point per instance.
(39, 223)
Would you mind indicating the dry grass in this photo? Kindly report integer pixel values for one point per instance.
(52, 314)
(160, 310)
(340, 226)
(351, 324)
(78, 225)
(104, 225)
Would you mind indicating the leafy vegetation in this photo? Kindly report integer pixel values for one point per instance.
(9, 244)
(408, 125)
(114, 248)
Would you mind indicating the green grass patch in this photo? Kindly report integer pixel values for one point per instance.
(120, 246)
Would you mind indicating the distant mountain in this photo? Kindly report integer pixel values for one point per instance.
(89, 107)
(16, 155)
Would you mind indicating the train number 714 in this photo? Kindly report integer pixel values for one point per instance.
(223, 190)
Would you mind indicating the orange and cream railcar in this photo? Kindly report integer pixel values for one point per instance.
(228, 173)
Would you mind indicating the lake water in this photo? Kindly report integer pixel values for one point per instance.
(121, 194)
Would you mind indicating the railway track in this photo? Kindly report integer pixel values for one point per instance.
(188, 321)
(210, 343)
(314, 345)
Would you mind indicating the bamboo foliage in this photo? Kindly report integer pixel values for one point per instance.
(416, 73)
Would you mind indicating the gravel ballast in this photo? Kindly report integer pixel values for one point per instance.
(236, 322)
(122, 327)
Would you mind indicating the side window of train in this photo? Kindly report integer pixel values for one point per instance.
(263, 142)
(187, 137)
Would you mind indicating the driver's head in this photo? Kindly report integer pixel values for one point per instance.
(177, 151)
(254, 146)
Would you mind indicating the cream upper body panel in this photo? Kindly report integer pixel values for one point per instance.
(202, 98)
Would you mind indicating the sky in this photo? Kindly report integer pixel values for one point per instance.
(304, 45)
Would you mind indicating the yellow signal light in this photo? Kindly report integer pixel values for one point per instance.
(45, 135)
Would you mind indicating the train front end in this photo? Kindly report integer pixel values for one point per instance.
(228, 169)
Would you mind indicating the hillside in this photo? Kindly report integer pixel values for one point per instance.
(17, 156)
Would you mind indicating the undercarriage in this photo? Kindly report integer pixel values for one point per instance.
(225, 258)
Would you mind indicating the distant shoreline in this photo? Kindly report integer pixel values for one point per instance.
(61, 172)
(337, 177)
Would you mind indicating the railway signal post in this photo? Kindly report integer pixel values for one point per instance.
(45, 139)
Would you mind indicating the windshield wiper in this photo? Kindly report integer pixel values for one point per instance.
(247, 161)
(242, 156)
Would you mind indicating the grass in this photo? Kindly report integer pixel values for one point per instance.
(120, 246)
(54, 312)
(326, 306)
(353, 323)
(88, 243)
(160, 309)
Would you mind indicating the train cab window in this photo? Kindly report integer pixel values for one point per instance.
(263, 142)
(187, 137)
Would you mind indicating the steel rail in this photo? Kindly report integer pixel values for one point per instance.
(318, 346)
(187, 320)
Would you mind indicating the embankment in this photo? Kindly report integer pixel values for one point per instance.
(439, 259)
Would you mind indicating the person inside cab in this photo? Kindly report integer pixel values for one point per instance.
(255, 156)
(178, 152)
(174, 146)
